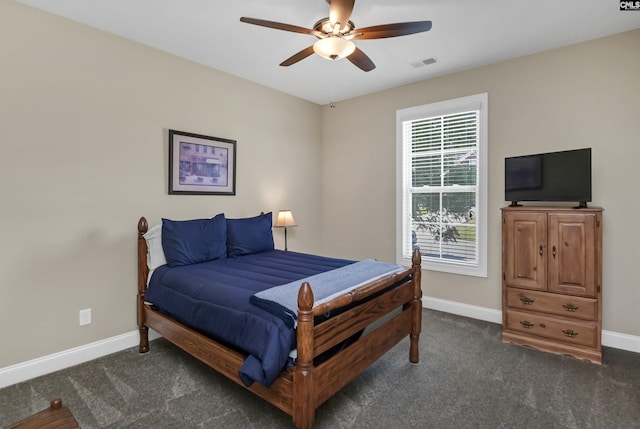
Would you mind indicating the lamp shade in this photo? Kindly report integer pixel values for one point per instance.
(334, 47)
(285, 219)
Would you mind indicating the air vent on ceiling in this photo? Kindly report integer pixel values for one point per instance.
(423, 63)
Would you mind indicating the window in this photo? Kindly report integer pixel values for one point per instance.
(442, 185)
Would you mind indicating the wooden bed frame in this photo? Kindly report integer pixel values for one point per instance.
(301, 389)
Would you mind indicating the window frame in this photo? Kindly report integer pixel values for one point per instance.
(477, 102)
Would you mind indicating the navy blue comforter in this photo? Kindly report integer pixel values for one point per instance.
(214, 298)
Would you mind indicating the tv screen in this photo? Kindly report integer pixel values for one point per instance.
(552, 176)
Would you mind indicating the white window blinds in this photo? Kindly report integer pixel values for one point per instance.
(441, 185)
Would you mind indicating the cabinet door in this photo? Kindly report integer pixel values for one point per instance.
(572, 246)
(524, 239)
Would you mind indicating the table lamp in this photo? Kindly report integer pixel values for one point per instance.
(285, 219)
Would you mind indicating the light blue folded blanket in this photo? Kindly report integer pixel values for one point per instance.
(283, 300)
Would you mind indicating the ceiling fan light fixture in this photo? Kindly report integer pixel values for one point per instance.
(334, 47)
(337, 32)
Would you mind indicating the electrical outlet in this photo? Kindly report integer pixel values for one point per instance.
(85, 317)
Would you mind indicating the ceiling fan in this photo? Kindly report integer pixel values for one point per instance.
(336, 34)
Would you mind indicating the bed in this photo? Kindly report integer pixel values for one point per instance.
(330, 349)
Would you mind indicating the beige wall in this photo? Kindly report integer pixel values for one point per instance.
(83, 136)
(586, 95)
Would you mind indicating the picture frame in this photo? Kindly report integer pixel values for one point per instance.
(201, 165)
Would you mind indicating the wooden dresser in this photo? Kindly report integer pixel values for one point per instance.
(552, 279)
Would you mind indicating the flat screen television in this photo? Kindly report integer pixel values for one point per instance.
(552, 176)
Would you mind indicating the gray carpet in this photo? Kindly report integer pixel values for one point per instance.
(467, 378)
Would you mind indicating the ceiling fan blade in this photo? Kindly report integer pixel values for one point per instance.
(391, 30)
(340, 11)
(361, 60)
(297, 57)
(281, 26)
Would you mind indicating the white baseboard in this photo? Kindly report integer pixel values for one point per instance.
(617, 340)
(466, 310)
(47, 364)
(609, 338)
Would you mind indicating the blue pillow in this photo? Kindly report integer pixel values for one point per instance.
(192, 241)
(249, 235)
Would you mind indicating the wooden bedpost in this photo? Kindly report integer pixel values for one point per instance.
(143, 272)
(416, 302)
(303, 400)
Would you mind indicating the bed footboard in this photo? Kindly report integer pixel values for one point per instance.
(375, 301)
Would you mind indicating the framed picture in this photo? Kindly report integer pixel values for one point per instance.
(201, 164)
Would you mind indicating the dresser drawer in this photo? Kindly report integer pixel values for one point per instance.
(553, 303)
(566, 331)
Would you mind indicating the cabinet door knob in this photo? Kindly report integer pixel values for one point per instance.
(527, 324)
(540, 250)
(553, 252)
(570, 307)
(569, 333)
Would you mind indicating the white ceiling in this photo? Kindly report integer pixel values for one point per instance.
(465, 34)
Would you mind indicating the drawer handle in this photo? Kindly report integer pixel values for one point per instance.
(527, 324)
(526, 300)
(569, 333)
(570, 307)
